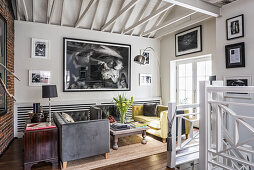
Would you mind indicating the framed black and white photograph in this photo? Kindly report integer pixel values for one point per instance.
(147, 55)
(96, 66)
(235, 55)
(189, 41)
(237, 81)
(235, 27)
(145, 79)
(40, 48)
(39, 78)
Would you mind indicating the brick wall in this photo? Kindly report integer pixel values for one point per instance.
(7, 121)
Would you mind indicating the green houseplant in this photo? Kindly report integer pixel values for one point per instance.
(123, 104)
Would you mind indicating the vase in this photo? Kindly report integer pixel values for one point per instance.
(123, 118)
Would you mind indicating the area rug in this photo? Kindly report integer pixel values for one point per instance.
(129, 148)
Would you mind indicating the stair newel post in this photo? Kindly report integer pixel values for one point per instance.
(171, 140)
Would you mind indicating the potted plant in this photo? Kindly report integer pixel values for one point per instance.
(123, 104)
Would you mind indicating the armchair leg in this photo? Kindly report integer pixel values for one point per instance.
(187, 136)
(163, 140)
(64, 165)
(106, 155)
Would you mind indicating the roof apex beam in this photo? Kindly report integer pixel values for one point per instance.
(149, 17)
(126, 8)
(170, 22)
(199, 6)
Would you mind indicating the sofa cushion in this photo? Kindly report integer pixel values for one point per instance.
(67, 117)
(153, 122)
(150, 109)
(79, 115)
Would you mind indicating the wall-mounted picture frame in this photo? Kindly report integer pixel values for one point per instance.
(237, 81)
(189, 41)
(147, 55)
(235, 55)
(39, 78)
(96, 66)
(145, 79)
(40, 48)
(235, 27)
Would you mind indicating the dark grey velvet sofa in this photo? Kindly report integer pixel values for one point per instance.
(82, 138)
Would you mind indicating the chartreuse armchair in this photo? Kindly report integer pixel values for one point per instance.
(158, 124)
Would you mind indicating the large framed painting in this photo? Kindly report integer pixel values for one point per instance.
(237, 81)
(96, 66)
(235, 27)
(189, 41)
(3, 59)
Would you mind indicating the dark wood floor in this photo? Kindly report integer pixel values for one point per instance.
(12, 159)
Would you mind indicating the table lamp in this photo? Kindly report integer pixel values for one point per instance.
(49, 91)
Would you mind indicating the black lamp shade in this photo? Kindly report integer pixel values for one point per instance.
(140, 59)
(49, 91)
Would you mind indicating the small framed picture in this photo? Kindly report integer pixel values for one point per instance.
(237, 81)
(235, 55)
(39, 78)
(235, 27)
(145, 79)
(189, 41)
(40, 48)
(147, 55)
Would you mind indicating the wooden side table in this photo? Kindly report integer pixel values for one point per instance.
(40, 144)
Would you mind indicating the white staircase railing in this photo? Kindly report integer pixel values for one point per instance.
(226, 131)
(174, 135)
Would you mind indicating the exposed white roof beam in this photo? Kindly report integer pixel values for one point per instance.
(17, 7)
(109, 8)
(25, 10)
(126, 8)
(199, 6)
(84, 13)
(140, 15)
(120, 7)
(52, 11)
(145, 24)
(48, 11)
(149, 17)
(170, 22)
(160, 20)
(33, 1)
(61, 22)
(182, 26)
(126, 19)
(93, 18)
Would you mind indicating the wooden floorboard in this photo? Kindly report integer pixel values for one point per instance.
(12, 159)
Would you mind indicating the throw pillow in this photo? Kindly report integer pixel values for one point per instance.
(67, 117)
(150, 109)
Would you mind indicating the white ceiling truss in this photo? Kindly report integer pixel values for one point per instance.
(146, 18)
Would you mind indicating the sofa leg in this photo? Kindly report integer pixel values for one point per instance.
(64, 165)
(163, 140)
(187, 136)
(106, 155)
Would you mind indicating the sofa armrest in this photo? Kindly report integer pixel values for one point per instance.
(95, 113)
(137, 110)
(161, 108)
(164, 124)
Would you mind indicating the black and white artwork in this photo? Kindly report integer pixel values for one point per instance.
(147, 56)
(237, 81)
(39, 78)
(40, 48)
(96, 66)
(189, 41)
(145, 79)
(235, 55)
(235, 27)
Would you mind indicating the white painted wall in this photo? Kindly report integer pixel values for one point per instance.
(24, 31)
(233, 9)
(168, 53)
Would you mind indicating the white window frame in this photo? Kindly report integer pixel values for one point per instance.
(194, 74)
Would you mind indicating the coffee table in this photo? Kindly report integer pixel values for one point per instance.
(128, 132)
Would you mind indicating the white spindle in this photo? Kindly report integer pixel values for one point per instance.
(171, 154)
